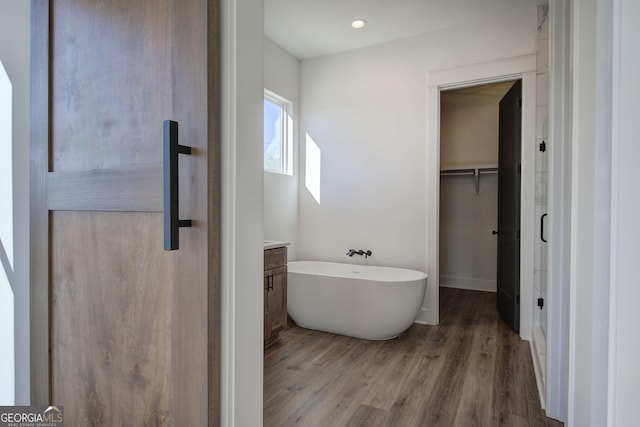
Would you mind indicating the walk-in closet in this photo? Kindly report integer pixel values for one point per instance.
(469, 186)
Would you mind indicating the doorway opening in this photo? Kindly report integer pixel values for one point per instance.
(478, 199)
(508, 69)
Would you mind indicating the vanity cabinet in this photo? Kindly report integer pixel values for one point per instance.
(275, 293)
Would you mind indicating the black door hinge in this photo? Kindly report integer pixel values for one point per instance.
(540, 303)
(519, 102)
(519, 167)
(518, 299)
(543, 147)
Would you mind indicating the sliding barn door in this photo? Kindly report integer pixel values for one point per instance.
(124, 331)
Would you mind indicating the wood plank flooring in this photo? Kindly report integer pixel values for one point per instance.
(471, 370)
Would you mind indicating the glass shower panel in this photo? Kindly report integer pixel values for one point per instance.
(542, 236)
(542, 170)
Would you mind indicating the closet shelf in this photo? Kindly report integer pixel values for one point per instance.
(472, 170)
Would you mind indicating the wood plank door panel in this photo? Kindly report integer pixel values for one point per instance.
(111, 343)
(111, 72)
(132, 328)
(508, 274)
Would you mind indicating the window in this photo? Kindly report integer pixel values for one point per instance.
(278, 131)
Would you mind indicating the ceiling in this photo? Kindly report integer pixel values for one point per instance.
(311, 28)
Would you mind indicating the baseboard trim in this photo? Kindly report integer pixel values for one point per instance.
(426, 317)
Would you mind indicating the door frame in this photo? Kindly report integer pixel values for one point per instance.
(513, 68)
(242, 231)
(559, 191)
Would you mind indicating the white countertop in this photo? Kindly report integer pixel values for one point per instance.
(272, 244)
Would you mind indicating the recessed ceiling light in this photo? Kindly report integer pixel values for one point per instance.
(358, 23)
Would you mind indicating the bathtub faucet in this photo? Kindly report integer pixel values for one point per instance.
(360, 252)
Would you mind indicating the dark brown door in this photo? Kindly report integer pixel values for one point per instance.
(124, 332)
(508, 276)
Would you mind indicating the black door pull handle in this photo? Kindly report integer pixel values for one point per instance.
(170, 151)
(542, 228)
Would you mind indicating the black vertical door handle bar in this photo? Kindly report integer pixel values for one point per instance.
(170, 151)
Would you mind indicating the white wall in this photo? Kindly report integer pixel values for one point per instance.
(625, 347)
(468, 250)
(281, 72)
(14, 188)
(367, 112)
(469, 120)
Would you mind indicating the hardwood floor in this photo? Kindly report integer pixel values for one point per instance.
(471, 370)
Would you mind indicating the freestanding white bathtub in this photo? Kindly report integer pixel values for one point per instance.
(375, 303)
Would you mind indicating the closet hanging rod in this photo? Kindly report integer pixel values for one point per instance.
(471, 170)
(458, 172)
(475, 172)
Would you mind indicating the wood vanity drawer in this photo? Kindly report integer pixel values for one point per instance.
(276, 257)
